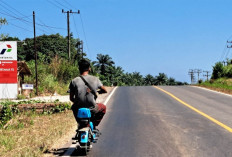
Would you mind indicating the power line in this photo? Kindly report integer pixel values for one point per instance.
(70, 4)
(54, 4)
(20, 27)
(23, 20)
(29, 23)
(12, 8)
(84, 33)
(75, 27)
(61, 4)
(19, 18)
(223, 52)
(228, 51)
(43, 25)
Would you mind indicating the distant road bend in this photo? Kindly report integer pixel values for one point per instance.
(164, 121)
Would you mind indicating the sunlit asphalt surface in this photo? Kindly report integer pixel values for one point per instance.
(146, 122)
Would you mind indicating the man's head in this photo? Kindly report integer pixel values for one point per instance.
(84, 65)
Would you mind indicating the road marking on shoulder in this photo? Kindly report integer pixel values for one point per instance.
(72, 147)
(212, 91)
(196, 110)
(108, 98)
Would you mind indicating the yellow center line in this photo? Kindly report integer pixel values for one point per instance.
(198, 111)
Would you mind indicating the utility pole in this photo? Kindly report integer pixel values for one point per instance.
(81, 49)
(68, 27)
(229, 42)
(207, 74)
(198, 71)
(230, 46)
(191, 73)
(35, 53)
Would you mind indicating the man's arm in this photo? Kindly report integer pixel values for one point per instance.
(71, 92)
(71, 96)
(102, 90)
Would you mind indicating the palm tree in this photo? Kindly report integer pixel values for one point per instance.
(137, 79)
(103, 63)
(161, 79)
(171, 81)
(115, 75)
(149, 80)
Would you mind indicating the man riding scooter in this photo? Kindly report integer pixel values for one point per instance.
(83, 93)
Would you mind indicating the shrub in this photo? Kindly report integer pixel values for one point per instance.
(228, 71)
(218, 70)
(200, 81)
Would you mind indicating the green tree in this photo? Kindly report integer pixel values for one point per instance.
(115, 75)
(3, 21)
(103, 63)
(218, 70)
(50, 46)
(161, 79)
(137, 79)
(149, 80)
(171, 81)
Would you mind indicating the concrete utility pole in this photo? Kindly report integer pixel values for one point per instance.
(81, 49)
(36, 73)
(191, 73)
(198, 71)
(68, 27)
(207, 74)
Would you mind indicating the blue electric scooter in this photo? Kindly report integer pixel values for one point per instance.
(86, 134)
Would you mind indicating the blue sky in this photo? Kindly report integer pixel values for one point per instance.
(147, 36)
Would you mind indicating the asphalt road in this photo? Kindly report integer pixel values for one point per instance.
(146, 122)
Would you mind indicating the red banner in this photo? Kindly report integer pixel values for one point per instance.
(8, 71)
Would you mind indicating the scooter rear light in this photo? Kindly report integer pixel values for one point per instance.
(83, 137)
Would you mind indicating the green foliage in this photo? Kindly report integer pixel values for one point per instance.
(228, 71)
(218, 70)
(149, 80)
(161, 79)
(171, 81)
(221, 83)
(103, 63)
(3, 21)
(48, 45)
(20, 97)
(200, 81)
(5, 115)
(9, 109)
(67, 71)
(54, 76)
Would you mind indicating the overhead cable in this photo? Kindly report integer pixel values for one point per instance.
(84, 32)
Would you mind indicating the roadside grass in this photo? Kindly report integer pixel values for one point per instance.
(29, 134)
(221, 85)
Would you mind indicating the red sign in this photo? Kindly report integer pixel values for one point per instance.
(8, 71)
